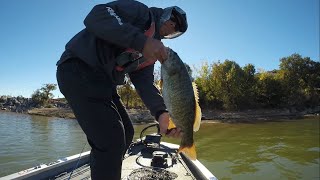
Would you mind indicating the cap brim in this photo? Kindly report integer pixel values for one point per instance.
(173, 35)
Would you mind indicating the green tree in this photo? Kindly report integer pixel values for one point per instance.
(207, 97)
(227, 80)
(226, 85)
(269, 92)
(129, 95)
(249, 85)
(301, 80)
(43, 95)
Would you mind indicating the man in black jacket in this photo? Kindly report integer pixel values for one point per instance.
(120, 37)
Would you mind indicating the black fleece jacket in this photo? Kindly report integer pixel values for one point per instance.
(110, 29)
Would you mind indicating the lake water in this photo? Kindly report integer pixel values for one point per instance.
(271, 150)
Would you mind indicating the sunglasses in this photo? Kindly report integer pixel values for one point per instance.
(176, 21)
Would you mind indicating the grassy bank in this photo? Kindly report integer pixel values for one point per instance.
(248, 116)
(137, 116)
(53, 112)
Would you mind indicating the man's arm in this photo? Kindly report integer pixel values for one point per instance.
(143, 80)
(120, 23)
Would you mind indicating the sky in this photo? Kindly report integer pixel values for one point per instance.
(33, 35)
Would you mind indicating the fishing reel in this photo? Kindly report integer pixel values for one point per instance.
(151, 140)
(160, 157)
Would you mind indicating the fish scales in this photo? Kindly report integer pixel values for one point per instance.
(179, 96)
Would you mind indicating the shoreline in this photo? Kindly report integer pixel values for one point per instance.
(257, 115)
(208, 116)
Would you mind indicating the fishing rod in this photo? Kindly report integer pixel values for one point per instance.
(76, 166)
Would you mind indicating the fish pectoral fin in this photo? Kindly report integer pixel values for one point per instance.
(159, 85)
(189, 151)
(198, 114)
(171, 124)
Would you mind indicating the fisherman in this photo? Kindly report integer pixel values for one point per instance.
(120, 37)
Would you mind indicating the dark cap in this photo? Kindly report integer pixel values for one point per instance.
(177, 15)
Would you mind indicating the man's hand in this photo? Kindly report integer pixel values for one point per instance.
(164, 123)
(154, 49)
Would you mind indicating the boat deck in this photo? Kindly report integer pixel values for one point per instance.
(141, 162)
(138, 166)
(83, 173)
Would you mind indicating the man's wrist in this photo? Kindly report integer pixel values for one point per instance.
(158, 113)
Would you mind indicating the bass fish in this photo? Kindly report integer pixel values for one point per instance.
(180, 95)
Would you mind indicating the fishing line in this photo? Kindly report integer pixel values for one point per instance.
(77, 161)
(152, 125)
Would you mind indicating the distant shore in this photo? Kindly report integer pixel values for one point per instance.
(257, 115)
(248, 116)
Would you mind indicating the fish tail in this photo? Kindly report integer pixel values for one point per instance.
(189, 151)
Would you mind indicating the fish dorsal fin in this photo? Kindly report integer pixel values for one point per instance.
(198, 115)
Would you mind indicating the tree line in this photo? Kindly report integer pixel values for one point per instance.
(231, 87)
(227, 86)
